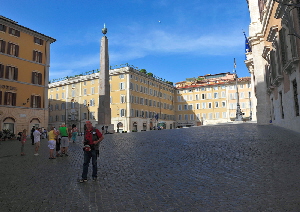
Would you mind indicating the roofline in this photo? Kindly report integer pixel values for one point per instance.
(12, 23)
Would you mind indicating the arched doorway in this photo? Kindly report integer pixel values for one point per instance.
(119, 127)
(134, 127)
(9, 124)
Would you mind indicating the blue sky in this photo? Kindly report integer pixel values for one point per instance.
(173, 39)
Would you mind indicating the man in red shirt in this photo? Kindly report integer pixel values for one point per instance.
(92, 138)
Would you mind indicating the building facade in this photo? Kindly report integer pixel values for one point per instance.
(24, 76)
(273, 61)
(212, 99)
(138, 101)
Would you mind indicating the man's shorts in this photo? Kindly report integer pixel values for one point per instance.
(64, 142)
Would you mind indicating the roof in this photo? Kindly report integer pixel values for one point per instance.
(11, 22)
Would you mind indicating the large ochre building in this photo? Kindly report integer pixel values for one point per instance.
(24, 76)
(141, 101)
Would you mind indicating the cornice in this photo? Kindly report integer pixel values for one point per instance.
(15, 25)
(272, 33)
(266, 51)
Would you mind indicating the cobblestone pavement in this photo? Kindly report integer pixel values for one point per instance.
(243, 167)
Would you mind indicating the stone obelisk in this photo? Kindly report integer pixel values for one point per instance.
(104, 111)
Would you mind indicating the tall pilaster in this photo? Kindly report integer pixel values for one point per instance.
(104, 111)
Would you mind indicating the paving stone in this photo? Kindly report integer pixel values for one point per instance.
(240, 167)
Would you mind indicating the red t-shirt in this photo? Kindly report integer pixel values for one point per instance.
(89, 135)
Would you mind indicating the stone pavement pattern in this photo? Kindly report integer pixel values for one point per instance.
(242, 167)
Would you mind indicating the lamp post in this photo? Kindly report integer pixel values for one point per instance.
(238, 116)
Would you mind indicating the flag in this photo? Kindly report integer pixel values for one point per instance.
(234, 65)
(247, 44)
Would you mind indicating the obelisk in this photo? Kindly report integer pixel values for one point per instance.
(104, 111)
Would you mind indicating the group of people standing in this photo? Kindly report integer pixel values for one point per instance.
(59, 140)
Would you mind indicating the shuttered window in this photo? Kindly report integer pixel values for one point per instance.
(13, 49)
(14, 32)
(2, 28)
(2, 46)
(11, 73)
(36, 101)
(37, 56)
(1, 70)
(10, 98)
(38, 41)
(36, 78)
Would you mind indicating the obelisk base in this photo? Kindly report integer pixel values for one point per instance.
(106, 129)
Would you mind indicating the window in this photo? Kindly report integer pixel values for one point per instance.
(73, 93)
(56, 107)
(210, 116)
(216, 95)
(84, 83)
(242, 95)
(38, 41)
(131, 86)
(36, 78)
(72, 105)
(2, 28)
(36, 101)
(63, 107)
(92, 115)
(186, 117)
(11, 73)
(203, 96)
(224, 115)
(209, 105)
(14, 32)
(121, 76)
(198, 106)
(223, 94)
(204, 105)
(92, 102)
(93, 90)
(63, 117)
(122, 112)
(179, 117)
(216, 104)
(13, 49)
(223, 104)
(281, 105)
(56, 118)
(57, 96)
(216, 88)
(296, 102)
(197, 97)
(190, 107)
(10, 98)
(185, 107)
(209, 96)
(141, 101)
(93, 82)
(84, 103)
(122, 87)
(37, 56)
(192, 117)
(84, 91)
(217, 115)
(73, 85)
(241, 86)
(122, 99)
(2, 46)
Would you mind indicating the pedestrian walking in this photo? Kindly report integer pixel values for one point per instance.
(23, 139)
(74, 132)
(92, 139)
(64, 142)
(37, 140)
(52, 142)
(58, 139)
(31, 135)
